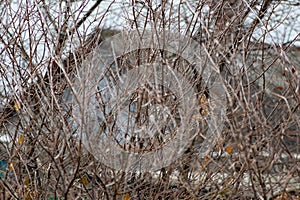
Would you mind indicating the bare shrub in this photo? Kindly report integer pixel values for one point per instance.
(209, 94)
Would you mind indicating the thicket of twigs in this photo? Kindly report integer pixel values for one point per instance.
(44, 48)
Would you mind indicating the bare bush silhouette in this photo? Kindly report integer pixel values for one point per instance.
(61, 83)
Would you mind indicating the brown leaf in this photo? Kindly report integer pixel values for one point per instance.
(127, 196)
(229, 149)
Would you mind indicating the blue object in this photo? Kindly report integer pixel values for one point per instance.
(3, 165)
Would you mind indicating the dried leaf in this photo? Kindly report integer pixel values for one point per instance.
(127, 196)
(202, 99)
(84, 180)
(280, 88)
(11, 166)
(20, 139)
(204, 110)
(17, 106)
(26, 182)
(229, 149)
